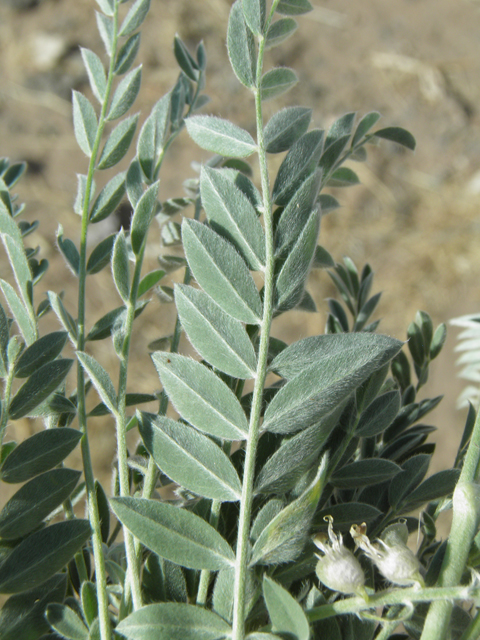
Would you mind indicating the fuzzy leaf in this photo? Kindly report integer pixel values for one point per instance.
(231, 213)
(84, 122)
(220, 339)
(66, 622)
(280, 31)
(101, 255)
(241, 46)
(118, 143)
(364, 473)
(125, 94)
(39, 453)
(101, 380)
(19, 312)
(142, 217)
(43, 350)
(175, 534)
(220, 136)
(173, 621)
(121, 266)
(134, 18)
(42, 554)
(69, 251)
(379, 415)
(221, 272)
(254, 12)
(127, 54)
(201, 397)
(286, 614)
(277, 82)
(96, 73)
(109, 198)
(413, 471)
(294, 7)
(153, 135)
(38, 387)
(285, 127)
(398, 135)
(190, 458)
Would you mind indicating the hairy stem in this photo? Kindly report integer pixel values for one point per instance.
(99, 560)
(241, 568)
(466, 507)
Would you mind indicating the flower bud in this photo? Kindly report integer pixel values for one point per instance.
(338, 569)
(395, 561)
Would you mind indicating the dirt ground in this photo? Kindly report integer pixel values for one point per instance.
(414, 219)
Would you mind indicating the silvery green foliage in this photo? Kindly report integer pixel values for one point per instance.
(334, 436)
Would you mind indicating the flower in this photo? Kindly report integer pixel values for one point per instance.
(338, 569)
(395, 561)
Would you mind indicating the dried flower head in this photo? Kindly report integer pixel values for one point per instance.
(338, 569)
(395, 561)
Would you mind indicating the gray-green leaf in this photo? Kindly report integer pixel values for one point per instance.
(121, 266)
(95, 72)
(101, 380)
(173, 621)
(254, 12)
(231, 213)
(220, 136)
(221, 272)
(219, 339)
(286, 614)
(43, 350)
(294, 7)
(66, 622)
(277, 81)
(280, 31)
(135, 16)
(201, 397)
(118, 143)
(190, 458)
(142, 217)
(84, 122)
(175, 534)
(42, 554)
(363, 473)
(241, 46)
(109, 198)
(285, 128)
(125, 94)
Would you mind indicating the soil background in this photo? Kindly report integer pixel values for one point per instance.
(414, 218)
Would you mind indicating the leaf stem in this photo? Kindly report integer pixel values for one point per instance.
(466, 508)
(99, 560)
(241, 568)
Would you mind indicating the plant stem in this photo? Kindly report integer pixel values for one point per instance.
(205, 574)
(241, 568)
(99, 560)
(391, 597)
(466, 507)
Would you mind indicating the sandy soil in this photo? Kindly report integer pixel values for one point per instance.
(414, 219)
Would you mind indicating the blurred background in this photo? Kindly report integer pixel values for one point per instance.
(414, 218)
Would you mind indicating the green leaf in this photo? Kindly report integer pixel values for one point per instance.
(103, 328)
(343, 177)
(38, 387)
(23, 615)
(103, 511)
(332, 154)
(189, 458)
(175, 534)
(121, 266)
(35, 501)
(322, 259)
(220, 136)
(109, 198)
(201, 397)
(294, 457)
(293, 7)
(40, 352)
(101, 255)
(277, 82)
(439, 485)
(13, 174)
(118, 143)
(298, 164)
(413, 471)
(173, 621)
(127, 54)
(342, 127)
(39, 453)
(134, 18)
(143, 214)
(232, 214)
(254, 12)
(280, 31)
(290, 282)
(364, 473)
(101, 380)
(344, 515)
(286, 614)
(62, 314)
(150, 280)
(324, 370)
(364, 126)
(66, 622)
(153, 136)
(285, 127)
(220, 339)
(106, 6)
(241, 47)
(95, 72)
(398, 135)
(69, 251)
(221, 272)
(185, 60)
(21, 268)
(438, 340)
(284, 538)
(42, 554)
(84, 122)
(125, 94)
(379, 415)
(89, 602)
(19, 312)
